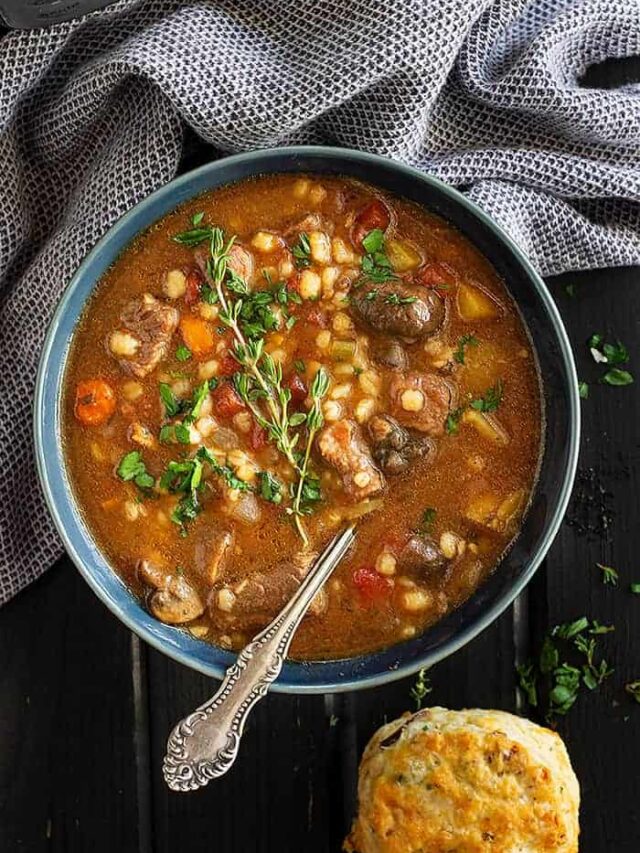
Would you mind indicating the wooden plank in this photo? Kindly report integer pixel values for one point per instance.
(602, 730)
(282, 793)
(67, 759)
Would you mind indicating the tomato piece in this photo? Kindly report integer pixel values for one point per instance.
(373, 215)
(228, 366)
(298, 388)
(438, 275)
(194, 283)
(371, 585)
(257, 437)
(226, 402)
(95, 402)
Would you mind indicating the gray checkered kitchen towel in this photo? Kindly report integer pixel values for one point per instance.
(482, 94)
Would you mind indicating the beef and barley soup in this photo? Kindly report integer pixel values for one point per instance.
(274, 359)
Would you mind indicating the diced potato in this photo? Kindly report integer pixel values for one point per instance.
(342, 323)
(487, 425)
(403, 255)
(494, 513)
(475, 304)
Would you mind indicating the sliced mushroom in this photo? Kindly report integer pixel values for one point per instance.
(174, 601)
(421, 554)
(393, 448)
(399, 308)
(391, 355)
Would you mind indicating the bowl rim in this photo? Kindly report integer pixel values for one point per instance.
(217, 669)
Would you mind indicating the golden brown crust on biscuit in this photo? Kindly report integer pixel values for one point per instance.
(465, 782)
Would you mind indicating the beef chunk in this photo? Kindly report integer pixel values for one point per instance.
(143, 341)
(386, 312)
(341, 445)
(423, 401)
(393, 447)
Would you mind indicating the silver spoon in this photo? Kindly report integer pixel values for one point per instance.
(205, 744)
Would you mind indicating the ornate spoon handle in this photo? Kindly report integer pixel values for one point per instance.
(205, 744)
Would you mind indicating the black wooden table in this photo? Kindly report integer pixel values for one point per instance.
(85, 707)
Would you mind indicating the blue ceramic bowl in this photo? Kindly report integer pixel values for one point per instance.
(561, 409)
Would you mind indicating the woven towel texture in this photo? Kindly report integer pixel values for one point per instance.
(482, 94)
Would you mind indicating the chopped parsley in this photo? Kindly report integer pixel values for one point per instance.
(633, 689)
(583, 390)
(611, 354)
(132, 468)
(395, 299)
(301, 251)
(570, 289)
(452, 423)
(183, 353)
(617, 377)
(606, 353)
(464, 341)
(559, 680)
(270, 488)
(197, 218)
(428, 519)
(491, 399)
(375, 265)
(609, 574)
(172, 405)
(527, 678)
(635, 588)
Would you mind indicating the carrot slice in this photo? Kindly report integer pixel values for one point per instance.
(197, 334)
(95, 402)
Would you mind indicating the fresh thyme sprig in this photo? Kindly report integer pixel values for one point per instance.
(314, 420)
(261, 379)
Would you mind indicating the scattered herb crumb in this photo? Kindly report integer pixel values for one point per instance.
(464, 341)
(609, 574)
(635, 588)
(583, 390)
(421, 688)
(633, 689)
(617, 377)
